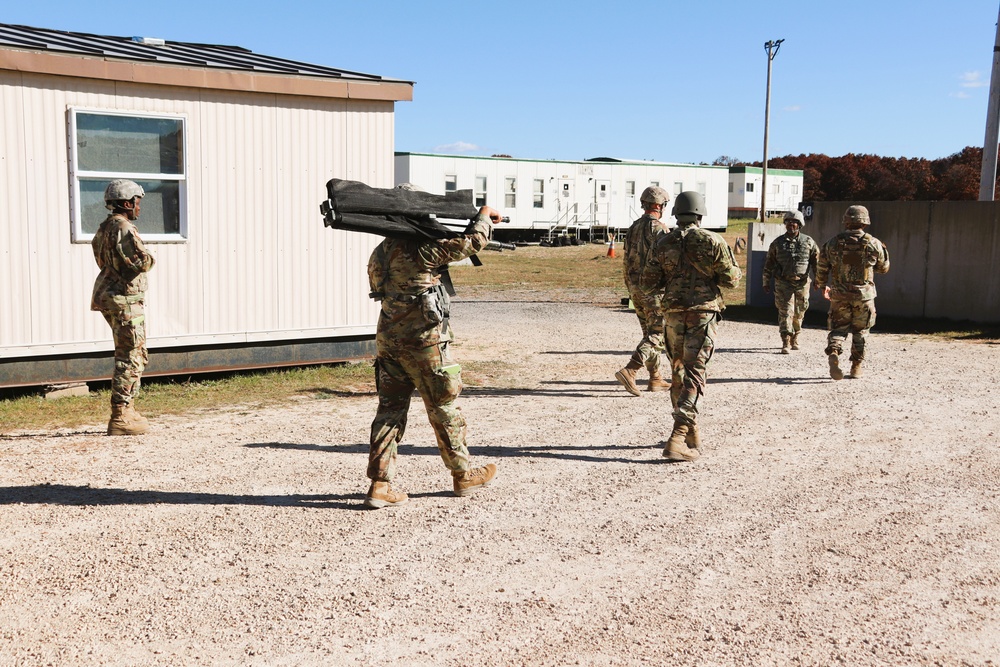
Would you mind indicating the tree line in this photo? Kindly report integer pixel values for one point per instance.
(862, 177)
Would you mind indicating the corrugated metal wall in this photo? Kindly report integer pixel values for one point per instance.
(258, 263)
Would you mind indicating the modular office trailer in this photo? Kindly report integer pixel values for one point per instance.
(234, 150)
(543, 197)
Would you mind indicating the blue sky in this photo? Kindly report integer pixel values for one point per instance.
(667, 81)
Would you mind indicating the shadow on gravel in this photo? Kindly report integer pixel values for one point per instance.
(495, 392)
(956, 330)
(361, 448)
(617, 353)
(62, 494)
(816, 380)
(569, 452)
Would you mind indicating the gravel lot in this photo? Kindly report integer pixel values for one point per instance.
(851, 522)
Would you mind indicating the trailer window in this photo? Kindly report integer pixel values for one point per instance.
(147, 149)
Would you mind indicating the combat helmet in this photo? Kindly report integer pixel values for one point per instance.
(654, 195)
(689, 202)
(121, 189)
(796, 216)
(857, 215)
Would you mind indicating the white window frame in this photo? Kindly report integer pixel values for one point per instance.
(482, 183)
(538, 193)
(76, 215)
(629, 188)
(452, 181)
(678, 187)
(510, 192)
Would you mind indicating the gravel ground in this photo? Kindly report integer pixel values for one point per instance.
(851, 522)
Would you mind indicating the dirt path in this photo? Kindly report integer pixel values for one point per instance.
(827, 523)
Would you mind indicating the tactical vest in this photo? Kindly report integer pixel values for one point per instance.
(856, 260)
(793, 258)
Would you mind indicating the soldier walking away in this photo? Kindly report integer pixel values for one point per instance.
(688, 266)
(791, 262)
(120, 295)
(413, 338)
(846, 272)
(639, 241)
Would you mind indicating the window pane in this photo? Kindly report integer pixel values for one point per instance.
(450, 183)
(129, 144)
(159, 213)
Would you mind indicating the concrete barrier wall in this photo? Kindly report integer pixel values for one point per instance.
(944, 256)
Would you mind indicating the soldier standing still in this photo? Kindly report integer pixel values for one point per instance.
(639, 241)
(120, 295)
(791, 262)
(688, 265)
(846, 271)
(412, 339)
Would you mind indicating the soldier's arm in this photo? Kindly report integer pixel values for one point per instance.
(652, 279)
(813, 258)
(882, 262)
(822, 269)
(727, 271)
(476, 236)
(132, 251)
(769, 262)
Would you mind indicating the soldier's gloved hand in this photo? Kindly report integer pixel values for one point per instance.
(490, 213)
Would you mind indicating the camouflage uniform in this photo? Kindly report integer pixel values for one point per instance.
(847, 265)
(412, 340)
(120, 294)
(639, 241)
(687, 267)
(791, 260)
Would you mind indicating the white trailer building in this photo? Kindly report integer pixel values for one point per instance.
(784, 191)
(546, 197)
(233, 149)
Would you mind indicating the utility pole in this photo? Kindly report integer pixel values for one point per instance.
(772, 50)
(988, 177)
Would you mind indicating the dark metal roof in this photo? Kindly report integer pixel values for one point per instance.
(152, 50)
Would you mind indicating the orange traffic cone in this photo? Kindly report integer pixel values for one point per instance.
(611, 247)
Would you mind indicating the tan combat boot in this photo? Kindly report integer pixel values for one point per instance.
(693, 437)
(835, 371)
(677, 449)
(135, 416)
(786, 342)
(656, 381)
(472, 481)
(627, 376)
(380, 494)
(122, 422)
(795, 340)
(855, 369)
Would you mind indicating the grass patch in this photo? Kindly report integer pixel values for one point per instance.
(23, 410)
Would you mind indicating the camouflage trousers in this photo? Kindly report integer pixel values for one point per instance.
(792, 302)
(128, 327)
(690, 344)
(850, 317)
(431, 372)
(647, 309)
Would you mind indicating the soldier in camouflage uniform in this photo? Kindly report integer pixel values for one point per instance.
(688, 265)
(639, 242)
(412, 339)
(120, 294)
(791, 262)
(846, 271)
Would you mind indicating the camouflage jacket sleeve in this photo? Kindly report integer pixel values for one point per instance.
(822, 266)
(131, 255)
(882, 261)
(770, 262)
(813, 257)
(727, 271)
(476, 236)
